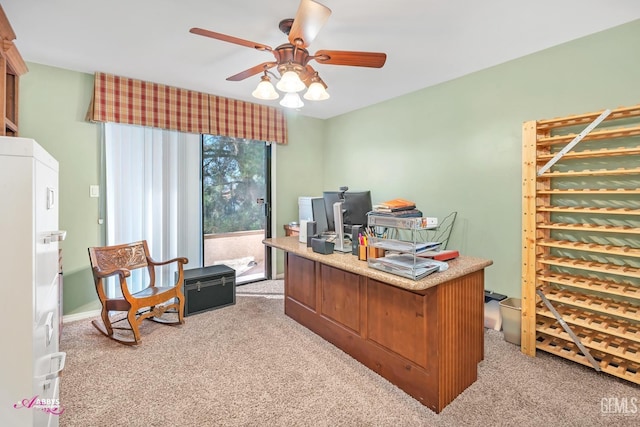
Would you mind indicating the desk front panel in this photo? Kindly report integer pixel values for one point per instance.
(340, 297)
(428, 343)
(300, 283)
(397, 320)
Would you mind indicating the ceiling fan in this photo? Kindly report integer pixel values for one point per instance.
(292, 58)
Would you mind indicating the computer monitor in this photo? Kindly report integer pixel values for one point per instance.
(357, 204)
(330, 197)
(355, 207)
(319, 215)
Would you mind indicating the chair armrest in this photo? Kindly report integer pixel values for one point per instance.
(122, 272)
(180, 260)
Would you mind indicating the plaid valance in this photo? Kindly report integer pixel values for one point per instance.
(124, 100)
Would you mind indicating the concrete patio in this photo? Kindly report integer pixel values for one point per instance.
(243, 251)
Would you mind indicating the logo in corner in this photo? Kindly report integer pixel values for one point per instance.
(50, 406)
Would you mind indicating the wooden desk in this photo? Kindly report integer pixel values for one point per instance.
(425, 336)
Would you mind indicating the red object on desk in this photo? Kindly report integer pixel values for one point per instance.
(445, 255)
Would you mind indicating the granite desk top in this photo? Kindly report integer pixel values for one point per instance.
(458, 267)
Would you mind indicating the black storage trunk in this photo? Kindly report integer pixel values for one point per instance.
(208, 288)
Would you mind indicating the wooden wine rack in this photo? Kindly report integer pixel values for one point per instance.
(581, 240)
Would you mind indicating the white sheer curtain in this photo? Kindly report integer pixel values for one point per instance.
(152, 180)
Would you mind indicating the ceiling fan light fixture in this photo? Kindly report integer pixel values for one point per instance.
(292, 100)
(316, 92)
(265, 89)
(290, 82)
(291, 59)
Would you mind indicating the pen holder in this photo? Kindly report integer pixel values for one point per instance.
(362, 252)
(375, 252)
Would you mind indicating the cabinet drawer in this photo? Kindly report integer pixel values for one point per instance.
(46, 298)
(46, 386)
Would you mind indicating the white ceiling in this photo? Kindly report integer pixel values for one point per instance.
(427, 41)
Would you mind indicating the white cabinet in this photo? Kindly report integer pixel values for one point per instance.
(31, 361)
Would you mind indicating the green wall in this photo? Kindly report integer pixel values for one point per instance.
(298, 171)
(457, 146)
(454, 146)
(53, 105)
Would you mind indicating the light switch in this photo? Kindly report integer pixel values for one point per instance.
(94, 191)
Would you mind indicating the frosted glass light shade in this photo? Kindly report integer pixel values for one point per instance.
(316, 92)
(292, 100)
(290, 82)
(265, 90)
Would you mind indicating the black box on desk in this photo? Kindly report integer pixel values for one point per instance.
(208, 288)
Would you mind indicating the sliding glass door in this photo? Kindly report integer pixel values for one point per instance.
(236, 205)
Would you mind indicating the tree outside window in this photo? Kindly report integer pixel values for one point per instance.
(233, 179)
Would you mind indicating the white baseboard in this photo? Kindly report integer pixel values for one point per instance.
(80, 316)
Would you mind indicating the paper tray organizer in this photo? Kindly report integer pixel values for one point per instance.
(401, 255)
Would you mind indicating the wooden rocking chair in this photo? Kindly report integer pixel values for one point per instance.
(149, 303)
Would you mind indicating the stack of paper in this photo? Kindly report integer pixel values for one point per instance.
(401, 246)
(407, 266)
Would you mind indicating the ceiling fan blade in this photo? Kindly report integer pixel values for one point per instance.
(310, 18)
(356, 59)
(229, 39)
(252, 71)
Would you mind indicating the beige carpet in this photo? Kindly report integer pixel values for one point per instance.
(265, 288)
(250, 365)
